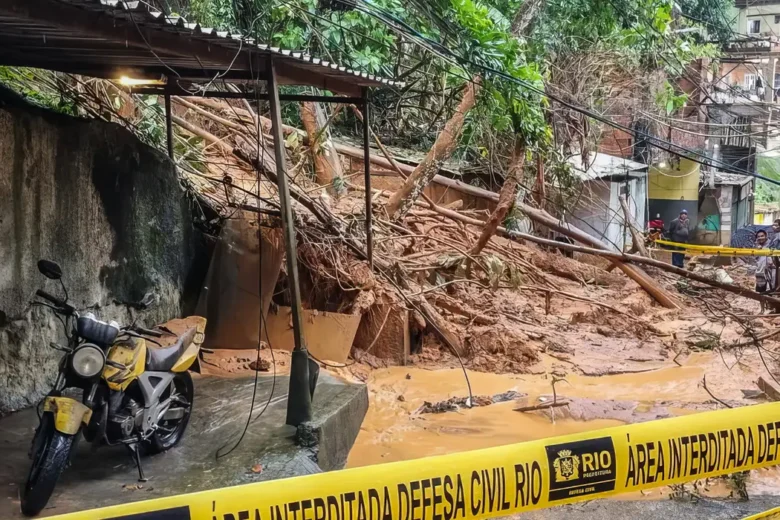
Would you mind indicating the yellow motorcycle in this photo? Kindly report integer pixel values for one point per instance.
(135, 392)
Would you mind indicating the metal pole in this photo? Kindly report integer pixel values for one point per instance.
(367, 180)
(300, 393)
(169, 125)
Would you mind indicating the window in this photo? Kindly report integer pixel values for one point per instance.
(749, 83)
(754, 26)
(777, 18)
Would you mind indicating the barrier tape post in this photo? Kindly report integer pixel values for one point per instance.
(496, 481)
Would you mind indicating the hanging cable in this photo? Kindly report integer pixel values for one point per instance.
(262, 326)
(448, 54)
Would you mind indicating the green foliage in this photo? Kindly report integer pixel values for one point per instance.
(715, 16)
(353, 38)
(151, 128)
(26, 83)
(766, 191)
(486, 41)
(669, 100)
(213, 13)
(640, 30)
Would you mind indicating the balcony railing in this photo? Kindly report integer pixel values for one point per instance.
(761, 42)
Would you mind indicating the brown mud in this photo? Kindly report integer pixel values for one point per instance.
(634, 363)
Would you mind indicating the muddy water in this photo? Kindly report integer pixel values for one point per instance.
(393, 432)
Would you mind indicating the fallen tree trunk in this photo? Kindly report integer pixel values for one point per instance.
(211, 115)
(327, 165)
(441, 150)
(618, 258)
(441, 328)
(633, 272)
(349, 151)
(506, 198)
(455, 307)
(539, 216)
(540, 190)
(541, 406)
(639, 243)
(198, 131)
(393, 164)
(623, 257)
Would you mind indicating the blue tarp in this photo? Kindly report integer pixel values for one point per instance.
(746, 236)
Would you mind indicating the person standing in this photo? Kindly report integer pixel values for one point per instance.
(679, 230)
(766, 272)
(775, 242)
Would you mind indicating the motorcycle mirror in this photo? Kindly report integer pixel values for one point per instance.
(49, 269)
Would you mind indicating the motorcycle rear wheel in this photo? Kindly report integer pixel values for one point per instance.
(170, 432)
(50, 456)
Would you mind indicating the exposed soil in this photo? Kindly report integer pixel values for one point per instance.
(226, 363)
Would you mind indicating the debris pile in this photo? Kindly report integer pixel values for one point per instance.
(461, 275)
(440, 292)
(455, 403)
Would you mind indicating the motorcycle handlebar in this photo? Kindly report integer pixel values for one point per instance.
(63, 306)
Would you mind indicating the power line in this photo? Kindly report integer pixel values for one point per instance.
(448, 54)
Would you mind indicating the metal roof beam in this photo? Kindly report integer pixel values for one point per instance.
(300, 98)
(133, 30)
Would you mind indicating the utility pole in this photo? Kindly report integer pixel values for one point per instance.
(301, 387)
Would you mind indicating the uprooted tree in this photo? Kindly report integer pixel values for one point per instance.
(445, 144)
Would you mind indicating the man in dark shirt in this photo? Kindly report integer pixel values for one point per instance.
(679, 229)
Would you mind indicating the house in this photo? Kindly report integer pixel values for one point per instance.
(673, 186)
(598, 212)
(765, 214)
(725, 205)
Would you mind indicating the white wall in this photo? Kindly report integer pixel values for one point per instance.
(765, 15)
(598, 211)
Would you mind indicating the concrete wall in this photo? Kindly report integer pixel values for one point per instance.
(109, 209)
(765, 14)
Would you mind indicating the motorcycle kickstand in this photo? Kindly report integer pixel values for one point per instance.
(137, 458)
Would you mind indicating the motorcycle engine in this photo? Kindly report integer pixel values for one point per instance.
(122, 424)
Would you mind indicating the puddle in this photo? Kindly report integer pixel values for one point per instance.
(390, 437)
(392, 431)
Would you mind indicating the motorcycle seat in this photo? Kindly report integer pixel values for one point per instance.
(162, 359)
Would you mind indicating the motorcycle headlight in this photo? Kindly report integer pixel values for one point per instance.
(88, 361)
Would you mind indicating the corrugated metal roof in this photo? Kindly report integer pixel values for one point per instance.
(104, 37)
(602, 165)
(723, 178)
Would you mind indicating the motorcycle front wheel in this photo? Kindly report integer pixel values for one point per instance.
(170, 431)
(50, 455)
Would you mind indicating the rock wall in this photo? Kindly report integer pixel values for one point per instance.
(110, 210)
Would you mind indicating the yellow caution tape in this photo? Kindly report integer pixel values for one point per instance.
(497, 481)
(773, 514)
(693, 249)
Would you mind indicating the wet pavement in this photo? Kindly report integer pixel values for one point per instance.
(107, 476)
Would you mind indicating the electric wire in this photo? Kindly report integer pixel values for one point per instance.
(262, 326)
(651, 140)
